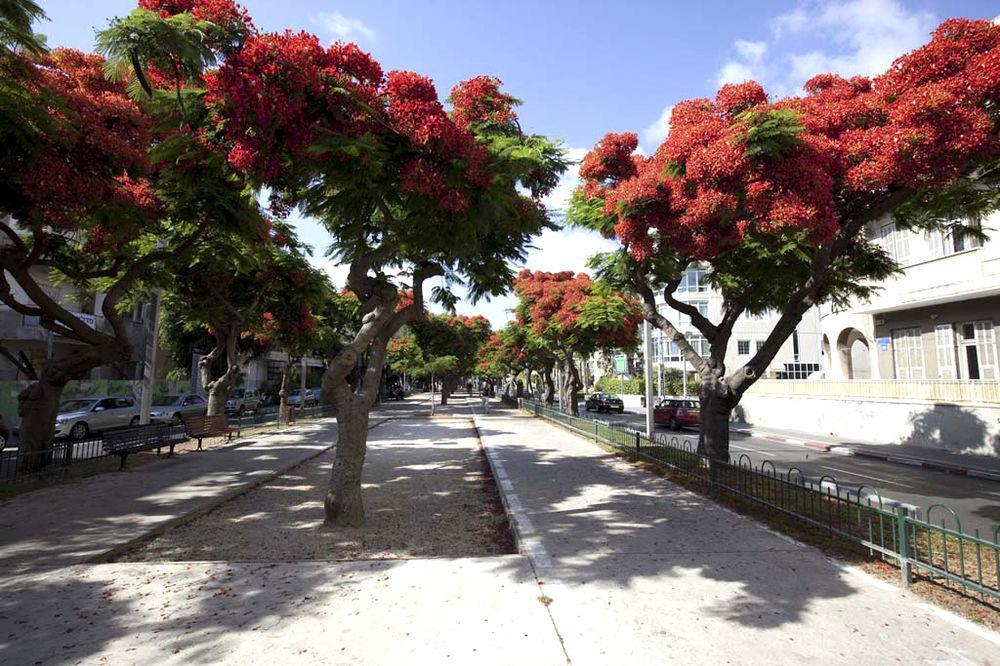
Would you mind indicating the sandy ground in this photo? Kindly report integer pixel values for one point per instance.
(427, 490)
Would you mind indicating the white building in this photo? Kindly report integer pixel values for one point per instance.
(797, 359)
(937, 319)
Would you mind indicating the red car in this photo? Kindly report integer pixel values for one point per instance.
(677, 413)
(4, 433)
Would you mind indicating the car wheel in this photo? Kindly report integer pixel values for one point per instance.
(175, 420)
(673, 424)
(79, 431)
(134, 422)
(621, 410)
(3, 443)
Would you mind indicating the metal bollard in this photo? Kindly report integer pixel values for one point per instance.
(904, 550)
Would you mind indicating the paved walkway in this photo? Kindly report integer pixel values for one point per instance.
(68, 523)
(642, 571)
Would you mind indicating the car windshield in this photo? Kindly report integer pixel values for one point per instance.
(611, 396)
(165, 401)
(74, 405)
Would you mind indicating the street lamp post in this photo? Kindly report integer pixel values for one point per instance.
(647, 340)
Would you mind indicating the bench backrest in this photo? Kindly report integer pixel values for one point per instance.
(201, 424)
(128, 438)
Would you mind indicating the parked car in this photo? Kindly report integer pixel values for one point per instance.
(243, 401)
(312, 398)
(676, 413)
(604, 402)
(4, 434)
(79, 417)
(395, 392)
(170, 408)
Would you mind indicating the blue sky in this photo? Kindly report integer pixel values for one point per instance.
(584, 68)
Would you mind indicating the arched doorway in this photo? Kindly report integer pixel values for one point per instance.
(827, 359)
(854, 354)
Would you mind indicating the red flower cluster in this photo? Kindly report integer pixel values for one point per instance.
(555, 302)
(480, 100)
(280, 91)
(94, 154)
(920, 124)
(223, 13)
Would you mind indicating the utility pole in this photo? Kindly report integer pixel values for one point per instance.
(647, 343)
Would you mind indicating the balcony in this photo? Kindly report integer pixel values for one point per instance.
(927, 390)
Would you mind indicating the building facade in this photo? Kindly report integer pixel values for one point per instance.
(798, 358)
(936, 320)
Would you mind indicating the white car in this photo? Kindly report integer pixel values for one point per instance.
(79, 417)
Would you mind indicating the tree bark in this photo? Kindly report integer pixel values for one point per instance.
(344, 505)
(570, 390)
(286, 384)
(550, 386)
(448, 385)
(38, 404)
(219, 389)
(717, 403)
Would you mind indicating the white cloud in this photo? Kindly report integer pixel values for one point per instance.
(734, 72)
(856, 37)
(654, 135)
(750, 51)
(345, 27)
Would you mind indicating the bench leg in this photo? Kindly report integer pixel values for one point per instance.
(199, 443)
(123, 456)
(171, 454)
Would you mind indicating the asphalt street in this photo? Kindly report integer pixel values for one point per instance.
(975, 501)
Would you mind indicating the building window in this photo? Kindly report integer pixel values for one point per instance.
(947, 242)
(693, 281)
(977, 350)
(896, 242)
(908, 353)
(742, 347)
(685, 320)
(760, 345)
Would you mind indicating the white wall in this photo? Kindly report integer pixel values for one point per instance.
(968, 428)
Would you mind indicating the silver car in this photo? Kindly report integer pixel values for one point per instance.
(170, 408)
(80, 417)
(312, 398)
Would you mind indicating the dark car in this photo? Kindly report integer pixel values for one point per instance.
(676, 413)
(4, 434)
(604, 402)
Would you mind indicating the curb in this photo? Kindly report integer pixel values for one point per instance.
(817, 446)
(957, 470)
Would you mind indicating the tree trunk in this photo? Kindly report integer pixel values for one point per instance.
(286, 385)
(448, 385)
(550, 387)
(717, 404)
(219, 389)
(344, 505)
(38, 404)
(571, 385)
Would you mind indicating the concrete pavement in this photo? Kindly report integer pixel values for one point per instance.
(640, 570)
(71, 522)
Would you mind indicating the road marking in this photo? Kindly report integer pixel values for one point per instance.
(866, 476)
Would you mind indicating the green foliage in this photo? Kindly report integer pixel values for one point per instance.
(454, 336)
(673, 384)
(771, 133)
(16, 32)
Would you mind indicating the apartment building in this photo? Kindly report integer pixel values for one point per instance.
(798, 358)
(937, 319)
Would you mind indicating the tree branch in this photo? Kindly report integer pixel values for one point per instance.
(653, 316)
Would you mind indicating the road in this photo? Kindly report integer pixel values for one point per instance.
(976, 501)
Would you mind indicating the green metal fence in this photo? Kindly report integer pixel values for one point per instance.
(940, 552)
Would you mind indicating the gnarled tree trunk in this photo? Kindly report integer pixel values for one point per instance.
(550, 386)
(717, 403)
(448, 385)
(38, 404)
(220, 388)
(286, 385)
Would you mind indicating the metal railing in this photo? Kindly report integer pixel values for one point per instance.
(932, 390)
(940, 552)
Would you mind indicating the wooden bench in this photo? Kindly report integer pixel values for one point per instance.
(127, 441)
(200, 427)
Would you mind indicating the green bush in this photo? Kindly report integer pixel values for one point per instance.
(673, 383)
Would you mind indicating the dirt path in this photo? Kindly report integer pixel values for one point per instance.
(427, 493)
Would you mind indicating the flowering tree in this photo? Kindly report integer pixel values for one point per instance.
(407, 190)
(776, 195)
(452, 335)
(574, 316)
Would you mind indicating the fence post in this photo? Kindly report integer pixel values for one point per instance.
(596, 436)
(637, 441)
(904, 550)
